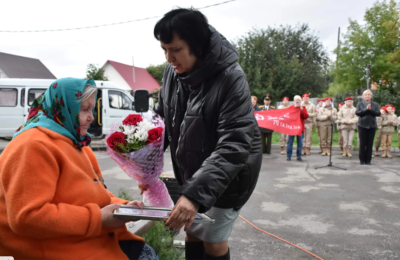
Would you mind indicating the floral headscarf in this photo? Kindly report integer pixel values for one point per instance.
(58, 109)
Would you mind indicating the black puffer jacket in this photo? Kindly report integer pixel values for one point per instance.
(367, 118)
(211, 130)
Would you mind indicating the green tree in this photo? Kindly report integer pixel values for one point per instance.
(95, 72)
(283, 61)
(157, 71)
(374, 43)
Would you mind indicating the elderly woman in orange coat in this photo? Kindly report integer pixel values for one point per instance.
(53, 201)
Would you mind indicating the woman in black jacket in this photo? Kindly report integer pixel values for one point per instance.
(211, 130)
(367, 111)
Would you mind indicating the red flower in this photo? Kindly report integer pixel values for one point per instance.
(115, 139)
(154, 134)
(79, 94)
(33, 112)
(62, 102)
(54, 85)
(132, 119)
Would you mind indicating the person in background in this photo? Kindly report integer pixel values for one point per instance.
(379, 130)
(266, 134)
(339, 129)
(284, 137)
(367, 111)
(389, 121)
(308, 124)
(254, 101)
(299, 138)
(326, 116)
(320, 105)
(348, 121)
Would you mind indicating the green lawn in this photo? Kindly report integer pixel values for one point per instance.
(276, 139)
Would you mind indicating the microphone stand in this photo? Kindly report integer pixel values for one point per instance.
(330, 164)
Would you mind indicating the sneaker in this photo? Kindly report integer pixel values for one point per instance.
(288, 159)
(299, 159)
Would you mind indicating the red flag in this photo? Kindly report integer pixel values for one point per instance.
(285, 121)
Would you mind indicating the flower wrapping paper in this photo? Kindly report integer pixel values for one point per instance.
(145, 166)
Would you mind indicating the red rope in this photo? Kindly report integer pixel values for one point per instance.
(280, 238)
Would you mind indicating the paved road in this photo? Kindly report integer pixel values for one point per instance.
(336, 214)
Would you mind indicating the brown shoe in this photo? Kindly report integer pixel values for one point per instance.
(348, 153)
(377, 152)
(383, 154)
(308, 151)
(388, 155)
(344, 153)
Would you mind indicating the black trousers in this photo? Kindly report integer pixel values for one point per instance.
(366, 141)
(266, 140)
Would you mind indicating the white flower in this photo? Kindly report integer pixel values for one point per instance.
(141, 135)
(129, 130)
(145, 126)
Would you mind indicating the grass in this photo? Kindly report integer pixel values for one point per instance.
(335, 142)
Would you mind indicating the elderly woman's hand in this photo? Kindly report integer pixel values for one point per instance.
(182, 214)
(107, 217)
(369, 107)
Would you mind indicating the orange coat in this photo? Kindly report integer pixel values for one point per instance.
(50, 200)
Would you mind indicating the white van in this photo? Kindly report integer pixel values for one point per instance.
(113, 104)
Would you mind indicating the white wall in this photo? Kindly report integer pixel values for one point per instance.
(112, 74)
(3, 74)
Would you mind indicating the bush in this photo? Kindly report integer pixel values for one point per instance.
(161, 239)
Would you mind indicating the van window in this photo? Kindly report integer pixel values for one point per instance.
(8, 97)
(34, 94)
(22, 97)
(119, 100)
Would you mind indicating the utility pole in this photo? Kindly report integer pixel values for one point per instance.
(368, 70)
(338, 47)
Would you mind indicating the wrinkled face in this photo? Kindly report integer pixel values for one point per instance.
(349, 103)
(306, 100)
(367, 96)
(267, 102)
(383, 112)
(339, 107)
(389, 109)
(86, 115)
(179, 55)
(285, 102)
(254, 101)
(321, 103)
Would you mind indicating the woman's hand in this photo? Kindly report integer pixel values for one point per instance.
(107, 219)
(369, 107)
(136, 203)
(182, 214)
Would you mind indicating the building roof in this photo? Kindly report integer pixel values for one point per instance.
(143, 79)
(22, 67)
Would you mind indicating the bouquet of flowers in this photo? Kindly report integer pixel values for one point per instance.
(137, 146)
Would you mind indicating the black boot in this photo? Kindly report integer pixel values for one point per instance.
(223, 257)
(194, 250)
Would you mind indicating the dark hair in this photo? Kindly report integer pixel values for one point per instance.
(190, 25)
